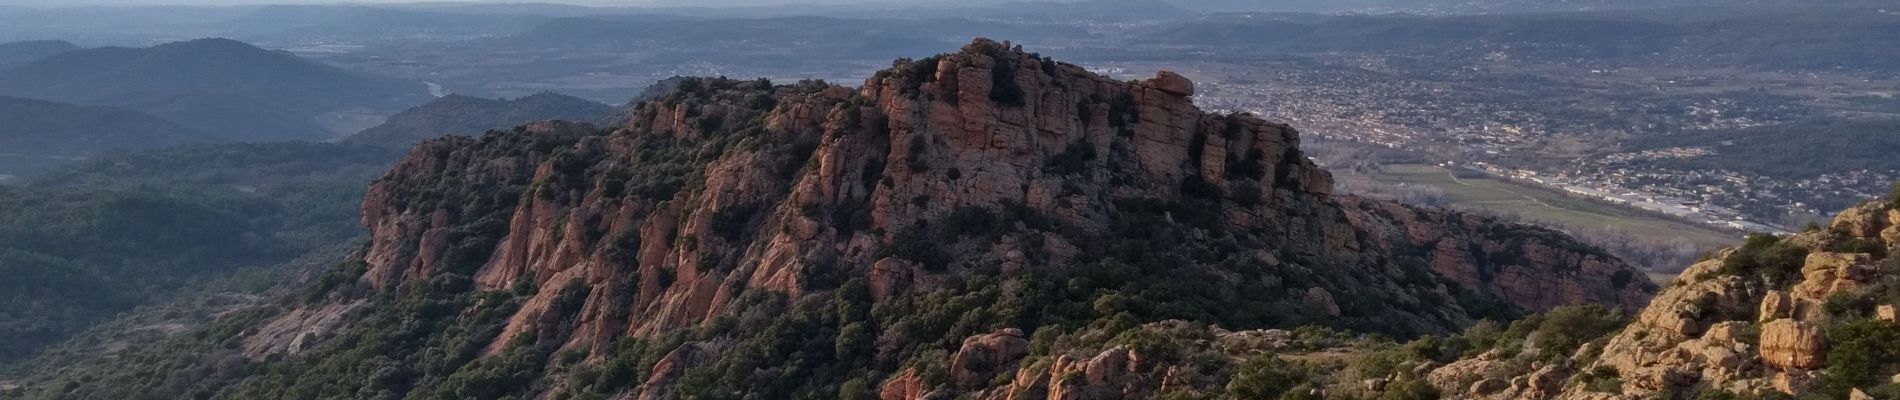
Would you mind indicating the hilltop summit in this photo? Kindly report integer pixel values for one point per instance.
(971, 223)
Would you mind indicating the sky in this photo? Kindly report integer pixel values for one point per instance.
(58, 3)
(49, 3)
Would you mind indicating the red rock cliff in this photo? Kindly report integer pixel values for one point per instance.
(726, 186)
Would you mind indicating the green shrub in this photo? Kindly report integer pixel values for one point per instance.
(1251, 166)
(1862, 354)
(731, 222)
(1073, 160)
(1003, 87)
(1859, 245)
(917, 244)
(1265, 376)
(855, 389)
(1409, 389)
(969, 221)
(919, 152)
(1565, 328)
(1603, 379)
(1766, 257)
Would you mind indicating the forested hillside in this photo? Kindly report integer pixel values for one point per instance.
(103, 237)
(469, 116)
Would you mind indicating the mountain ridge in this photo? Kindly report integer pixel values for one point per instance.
(930, 148)
(810, 239)
(13, 53)
(214, 85)
(40, 135)
(465, 115)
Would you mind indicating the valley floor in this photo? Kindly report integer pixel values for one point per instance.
(1539, 204)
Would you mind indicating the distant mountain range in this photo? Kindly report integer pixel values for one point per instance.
(22, 52)
(360, 24)
(465, 115)
(219, 86)
(847, 37)
(65, 129)
(1823, 38)
(37, 134)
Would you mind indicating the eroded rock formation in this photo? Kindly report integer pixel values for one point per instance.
(985, 162)
(1755, 320)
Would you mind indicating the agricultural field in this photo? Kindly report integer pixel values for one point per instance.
(1547, 206)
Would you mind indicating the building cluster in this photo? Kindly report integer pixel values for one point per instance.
(1679, 204)
(1525, 131)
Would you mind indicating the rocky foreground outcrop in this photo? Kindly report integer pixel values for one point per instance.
(1758, 320)
(1698, 332)
(985, 163)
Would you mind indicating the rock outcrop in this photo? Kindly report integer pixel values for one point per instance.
(297, 330)
(835, 175)
(1792, 345)
(1754, 319)
(983, 356)
(987, 162)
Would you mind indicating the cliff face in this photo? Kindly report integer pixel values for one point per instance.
(1534, 268)
(988, 163)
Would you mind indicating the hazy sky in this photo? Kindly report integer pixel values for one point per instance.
(46, 3)
(56, 3)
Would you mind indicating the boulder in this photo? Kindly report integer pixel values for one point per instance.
(1448, 378)
(1424, 368)
(1776, 305)
(1488, 386)
(1173, 83)
(1790, 344)
(1856, 394)
(1375, 384)
(1723, 333)
(1892, 233)
(1793, 383)
(905, 386)
(889, 276)
(1827, 273)
(982, 356)
(1105, 367)
(1862, 221)
(1322, 300)
(1549, 379)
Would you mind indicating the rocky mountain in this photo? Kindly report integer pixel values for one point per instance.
(221, 86)
(464, 115)
(987, 223)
